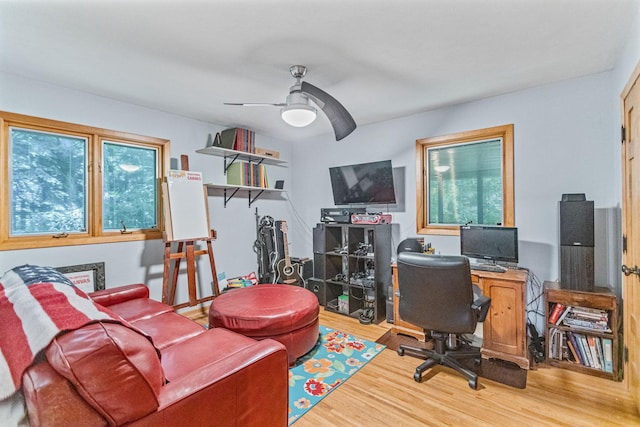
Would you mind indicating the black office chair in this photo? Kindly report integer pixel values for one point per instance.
(437, 295)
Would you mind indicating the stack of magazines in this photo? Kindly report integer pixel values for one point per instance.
(587, 318)
(593, 319)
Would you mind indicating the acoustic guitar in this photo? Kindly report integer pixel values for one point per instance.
(288, 272)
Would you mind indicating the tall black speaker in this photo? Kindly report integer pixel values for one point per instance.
(576, 269)
(576, 223)
(318, 240)
(577, 243)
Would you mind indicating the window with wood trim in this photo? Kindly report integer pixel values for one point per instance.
(67, 184)
(465, 178)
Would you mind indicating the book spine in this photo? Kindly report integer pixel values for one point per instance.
(555, 312)
(234, 174)
(599, 352)
(564, 347)
(551, 344)
(594, 354)
(564, 314)
(584, 345)
(572, 340)
(236, 140)
(607, 350)
(573, 351)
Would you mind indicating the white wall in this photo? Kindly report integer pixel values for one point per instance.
(562, 144)
(143, 261)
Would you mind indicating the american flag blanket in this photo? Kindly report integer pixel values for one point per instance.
(37, 304)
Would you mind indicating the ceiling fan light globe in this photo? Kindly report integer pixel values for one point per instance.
(298, 115)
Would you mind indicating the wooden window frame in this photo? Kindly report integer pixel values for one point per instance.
(504, 132)
(95, 136)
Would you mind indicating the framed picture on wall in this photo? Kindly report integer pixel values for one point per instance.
(87, 277)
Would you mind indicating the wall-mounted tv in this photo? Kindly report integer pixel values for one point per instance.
(365, 183)
(492, 243)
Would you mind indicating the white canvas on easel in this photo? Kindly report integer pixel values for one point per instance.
(186, 212)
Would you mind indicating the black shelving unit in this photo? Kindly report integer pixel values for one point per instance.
(352, 268)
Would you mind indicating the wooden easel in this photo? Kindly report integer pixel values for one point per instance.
(174, 215)
(186, 250)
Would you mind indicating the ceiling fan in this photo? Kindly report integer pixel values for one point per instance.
(298, 112)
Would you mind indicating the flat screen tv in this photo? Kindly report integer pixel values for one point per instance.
(365, 183)
(491, 243)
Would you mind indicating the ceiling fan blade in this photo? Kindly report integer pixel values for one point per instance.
(255, 104)
(342, 122)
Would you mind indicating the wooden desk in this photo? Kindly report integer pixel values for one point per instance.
(504, 330)
(399, 325)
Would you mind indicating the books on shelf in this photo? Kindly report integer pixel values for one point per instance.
(238, 139)
(586, 318)
(587, 350)
(247, 174)
(575, 336)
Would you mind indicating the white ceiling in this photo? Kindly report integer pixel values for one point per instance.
(381, 59)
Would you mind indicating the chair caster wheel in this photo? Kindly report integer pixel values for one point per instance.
(478, 361)
(417, 377)
(473, 383)
(400, 351)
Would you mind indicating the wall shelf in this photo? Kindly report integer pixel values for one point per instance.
(234, 155)
(230, 156)
(232, 190)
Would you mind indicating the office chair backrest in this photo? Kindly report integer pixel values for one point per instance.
(411, 245)
(436, 292)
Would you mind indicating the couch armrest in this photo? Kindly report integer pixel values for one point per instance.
(120, 294)
(52, 401)
(249, 387)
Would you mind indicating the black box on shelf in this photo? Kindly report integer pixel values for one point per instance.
(317, 287)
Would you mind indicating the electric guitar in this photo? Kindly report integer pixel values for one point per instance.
(287, 272)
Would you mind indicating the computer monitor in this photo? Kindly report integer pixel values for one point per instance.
(490, 243)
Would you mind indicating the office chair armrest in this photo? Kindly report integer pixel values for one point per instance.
(481, 305)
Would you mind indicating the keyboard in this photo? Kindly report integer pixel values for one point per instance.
(488, 267)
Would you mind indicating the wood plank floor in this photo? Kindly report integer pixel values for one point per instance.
(384, 393)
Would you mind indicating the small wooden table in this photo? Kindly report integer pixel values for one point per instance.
(504, 329)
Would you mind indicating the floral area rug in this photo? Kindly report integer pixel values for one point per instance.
(335, 358)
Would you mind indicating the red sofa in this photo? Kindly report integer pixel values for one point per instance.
(106, 374)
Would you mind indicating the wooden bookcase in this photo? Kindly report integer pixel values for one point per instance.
(603, 299)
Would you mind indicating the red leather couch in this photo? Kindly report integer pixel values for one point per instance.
(106, 374)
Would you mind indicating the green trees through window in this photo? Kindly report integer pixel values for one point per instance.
(465, 183)
(465, 178)
(65, 184)
(129, 186)
(48, 183)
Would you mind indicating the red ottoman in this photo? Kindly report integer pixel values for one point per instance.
(285, 313)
